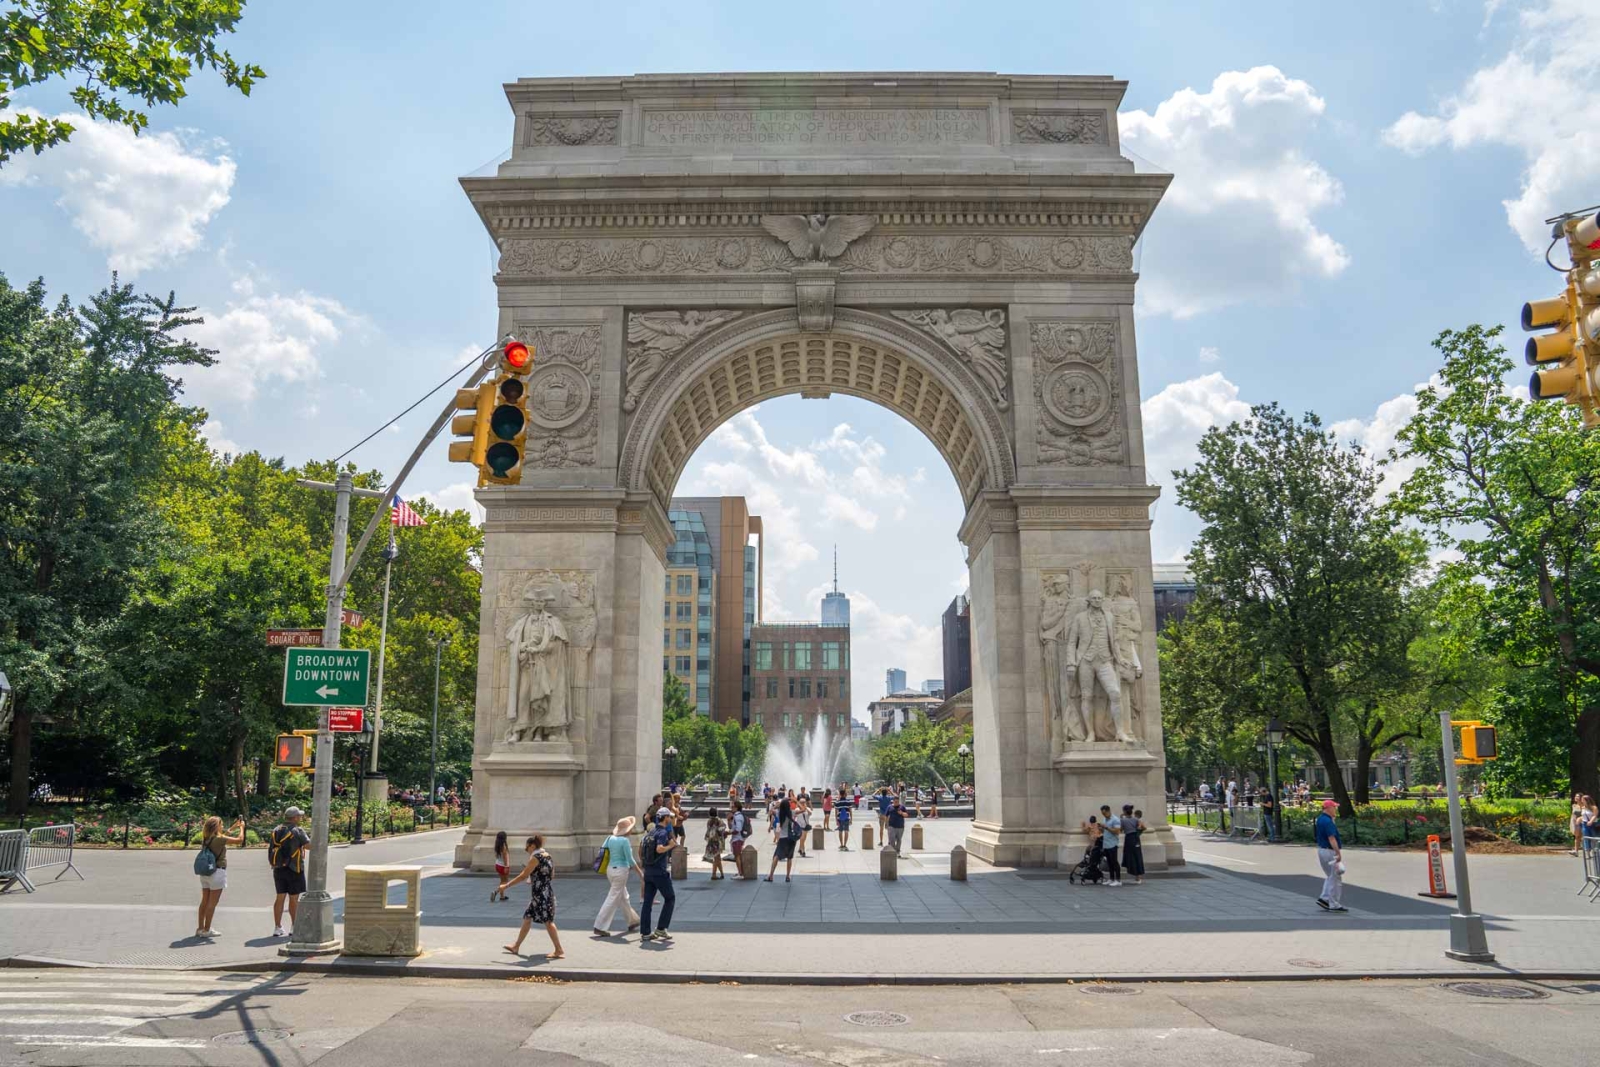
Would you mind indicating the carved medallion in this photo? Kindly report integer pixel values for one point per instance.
(1077, 395)
(1078, 387)
(563, 422)
(557, 396)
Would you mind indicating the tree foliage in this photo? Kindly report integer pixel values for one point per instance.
(146, 49)
(708, 751)
(1511, 486)
(1306, 575)
(921, 751)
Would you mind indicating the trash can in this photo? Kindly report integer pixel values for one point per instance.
(373, 926)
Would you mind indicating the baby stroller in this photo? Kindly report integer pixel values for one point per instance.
(1088, 871)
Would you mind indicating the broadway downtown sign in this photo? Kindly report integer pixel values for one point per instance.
(325, 676)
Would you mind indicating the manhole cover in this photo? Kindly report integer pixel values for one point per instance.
(1496, 990)
(1318, 965)
(1111, 990)
(252, 1037)
(877, 1018)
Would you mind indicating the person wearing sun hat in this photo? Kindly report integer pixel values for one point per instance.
(619, 861)
(1330, 853)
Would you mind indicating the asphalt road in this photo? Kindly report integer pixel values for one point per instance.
(137, 1018)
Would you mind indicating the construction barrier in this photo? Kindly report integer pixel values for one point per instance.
(373, 926)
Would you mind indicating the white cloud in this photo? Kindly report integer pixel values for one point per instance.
(1177, 417)
(456, 497)
(879, 638)
(1244, 189)
(1377, 435)
(217, 438)
(1538, 99)
(259, 339)
(145, 200)
(1208, 354)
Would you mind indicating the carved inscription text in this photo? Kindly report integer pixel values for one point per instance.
(846, 127)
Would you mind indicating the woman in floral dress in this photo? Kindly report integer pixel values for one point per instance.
(540, 873)
(714, 841)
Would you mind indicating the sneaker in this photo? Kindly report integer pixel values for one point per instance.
(1324, 905)
(1114, 883)
(279, 931)
(601, 933)
(1338, 907)
(663, 935)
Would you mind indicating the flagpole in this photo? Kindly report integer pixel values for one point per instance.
(389, 555)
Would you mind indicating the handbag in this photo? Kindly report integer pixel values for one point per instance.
(602, 860)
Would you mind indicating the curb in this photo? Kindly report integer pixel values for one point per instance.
(389, 968)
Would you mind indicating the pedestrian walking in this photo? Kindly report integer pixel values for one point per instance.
(1330, 853)
(211, 864)
(1110, 832)
(502, 864)
(897, 825)
(827, 809)
(844, 827)
(802, 816)
(885, 802)
(286, 855)
(655, 854)
(540, 875)
(619, 861)
(1132, 850)
(714, 837)
(788, 831)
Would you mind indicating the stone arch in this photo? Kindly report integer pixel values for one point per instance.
(865, 355)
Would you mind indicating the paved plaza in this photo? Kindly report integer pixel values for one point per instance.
(1235, 910)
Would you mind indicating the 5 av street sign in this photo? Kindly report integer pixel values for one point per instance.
(325, 676)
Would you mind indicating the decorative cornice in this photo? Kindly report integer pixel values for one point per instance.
(643, 516)
(510, 218)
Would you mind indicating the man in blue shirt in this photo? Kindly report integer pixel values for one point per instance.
(843, 814)
(655, 856)
(885, 802)
(1330, 853)
(897, 824)
(1110, 833)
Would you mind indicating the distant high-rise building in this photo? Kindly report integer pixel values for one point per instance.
(894, 681)
(715, 532)
(799, 675)
(934, 687)
(957, 627)
(835, 605)
(1174, 589)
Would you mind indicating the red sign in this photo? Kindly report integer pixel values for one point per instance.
(1436, 886)
(345, 720)
(282, 638)
(352, 619)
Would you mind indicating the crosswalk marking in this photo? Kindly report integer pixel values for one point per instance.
(75, 1010)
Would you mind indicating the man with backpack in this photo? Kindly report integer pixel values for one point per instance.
(738, 831)
(286, 852)
(655, 855)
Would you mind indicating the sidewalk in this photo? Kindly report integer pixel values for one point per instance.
(1235, 911)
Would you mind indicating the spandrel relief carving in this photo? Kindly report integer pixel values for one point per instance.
(978, 337)
(1089, 643)
(654, 337)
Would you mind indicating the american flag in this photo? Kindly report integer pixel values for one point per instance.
(402, 515)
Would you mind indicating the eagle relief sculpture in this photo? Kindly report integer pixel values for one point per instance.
(817, 238)
(655, 337)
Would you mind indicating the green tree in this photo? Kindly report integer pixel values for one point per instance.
(1296, 554)
(1511, 485)
(920, 751)
(87, 403)
(146, 49)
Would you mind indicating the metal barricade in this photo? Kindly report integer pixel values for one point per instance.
(14, 860)
(1591, 868)
(51, 845)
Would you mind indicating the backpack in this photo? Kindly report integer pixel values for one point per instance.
(205, 861)
(277, 854)
(647, 848)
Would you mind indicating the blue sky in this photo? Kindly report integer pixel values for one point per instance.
(1350, 180)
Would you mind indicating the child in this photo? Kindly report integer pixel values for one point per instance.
(502, 865)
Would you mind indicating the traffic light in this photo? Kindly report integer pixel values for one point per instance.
(492, 434)
(293, 752)
(1567, 361)
(474, 427)
(1479, 743)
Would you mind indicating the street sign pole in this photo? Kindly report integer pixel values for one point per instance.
(1467, 938)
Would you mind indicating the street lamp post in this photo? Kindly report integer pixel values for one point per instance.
(1275, 734)
(433, 745)
(965, 752)
(671, 764)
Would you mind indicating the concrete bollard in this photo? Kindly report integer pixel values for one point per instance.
(749, 863)
(916, 837)
(958, 864)
(866, 837)
(888, 865)
(819, 840)
(680, 863)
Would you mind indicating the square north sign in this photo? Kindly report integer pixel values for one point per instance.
(325, 676)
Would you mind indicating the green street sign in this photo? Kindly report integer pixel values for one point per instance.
(326, 676)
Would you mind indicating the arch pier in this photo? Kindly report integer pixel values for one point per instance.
(956, 248)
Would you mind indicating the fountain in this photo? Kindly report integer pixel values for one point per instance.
(821, 763)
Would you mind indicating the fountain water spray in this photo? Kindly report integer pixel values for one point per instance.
(819, 763)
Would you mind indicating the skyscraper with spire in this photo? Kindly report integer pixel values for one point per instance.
(835, 605)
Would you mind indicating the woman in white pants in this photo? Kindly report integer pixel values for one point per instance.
(618, 865)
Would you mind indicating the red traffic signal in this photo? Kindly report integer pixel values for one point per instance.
(517, 356)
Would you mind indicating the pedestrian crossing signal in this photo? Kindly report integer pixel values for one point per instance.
(1479, 743)
(292, 752)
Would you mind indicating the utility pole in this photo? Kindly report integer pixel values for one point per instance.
(433, 746)
(314, 929)
(390, 554)
(1467, 939)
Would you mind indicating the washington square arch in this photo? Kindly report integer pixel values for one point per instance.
(956, 248)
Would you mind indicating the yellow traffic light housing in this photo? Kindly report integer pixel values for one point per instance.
(292, 752)
(1479, 742)
(474, 427)
(492, 434)
(508, 424)
(1567, 361)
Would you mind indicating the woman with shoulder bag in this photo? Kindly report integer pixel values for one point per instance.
(788, 832)
(212, 866)
(617, 852)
